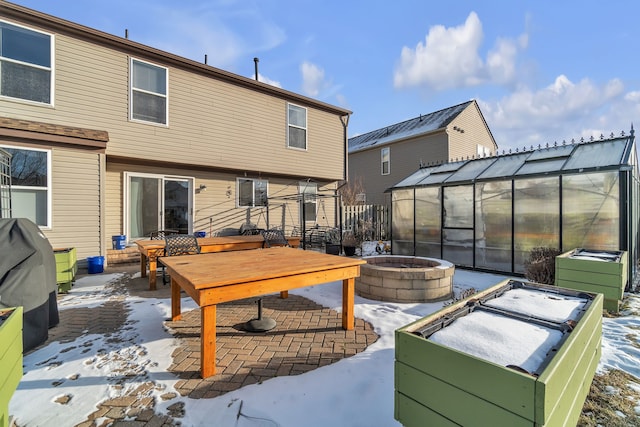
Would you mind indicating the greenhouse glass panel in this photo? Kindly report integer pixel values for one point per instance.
(493, 225)
(541, 166)
(428, 222)
(504, 166)
(458, 206)
(402, 225)
(590, 211)
(457, 246)
(591, 155)
(537, 217)
(471, 170)
(415, 178)
(552, 152)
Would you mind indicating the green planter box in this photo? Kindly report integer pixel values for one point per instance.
(437, 385)
(66, 268)
(581, 269)
(10, 358)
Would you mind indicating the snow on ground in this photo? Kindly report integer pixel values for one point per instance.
(357, 391)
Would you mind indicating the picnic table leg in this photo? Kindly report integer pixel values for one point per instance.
(175, 301)
(153, 266)
(348, 290)
(208, 341)
(143, 265)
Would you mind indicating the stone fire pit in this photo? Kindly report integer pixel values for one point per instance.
(397, 278)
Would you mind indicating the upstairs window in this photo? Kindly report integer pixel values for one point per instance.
(252, 192)
(148, 92)
(385, 158)
(25, 64)
(297, 124)
(31, 184)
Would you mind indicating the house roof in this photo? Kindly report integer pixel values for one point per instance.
(599, 155)
(23, 14)
(28, 130)
(409, 128)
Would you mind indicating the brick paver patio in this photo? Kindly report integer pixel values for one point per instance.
(307, 336)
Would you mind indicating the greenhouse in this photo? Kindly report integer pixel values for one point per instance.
(489, 213)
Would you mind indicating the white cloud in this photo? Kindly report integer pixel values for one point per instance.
(267, 80)
(312, 79)
(211, 30)
(563, 110)
(450, 58)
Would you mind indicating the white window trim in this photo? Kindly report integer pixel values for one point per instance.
(306, 128)
(382, 161)
(253, 192)
(51, 68)
(48, 188)
(166, 95)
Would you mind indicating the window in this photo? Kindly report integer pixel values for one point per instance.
(309, 191)
(385, 158)
(482, 151)
(30, 184)
(252, 192)
(25, 64)
(297, 123)
(148, 92)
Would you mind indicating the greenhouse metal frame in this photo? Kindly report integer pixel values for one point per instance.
(489, 213)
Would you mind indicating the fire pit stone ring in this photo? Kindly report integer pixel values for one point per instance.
(398, 278)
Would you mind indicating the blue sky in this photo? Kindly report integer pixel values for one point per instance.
(541, 71)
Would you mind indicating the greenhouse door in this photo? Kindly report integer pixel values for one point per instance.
(158, 203)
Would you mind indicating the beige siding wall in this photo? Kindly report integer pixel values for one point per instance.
(213, 126)
(75, 199)
(463, 145)
(215, 208)
(211, 123)
(405, 160)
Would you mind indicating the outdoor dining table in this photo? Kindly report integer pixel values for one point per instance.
(151, 250)
(211, 279)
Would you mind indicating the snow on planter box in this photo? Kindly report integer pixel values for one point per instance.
(515, 354)
(589, 270)
(10, 357)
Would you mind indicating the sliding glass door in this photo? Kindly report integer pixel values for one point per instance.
(156, 202)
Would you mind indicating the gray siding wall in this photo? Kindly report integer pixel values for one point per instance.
(405, 159)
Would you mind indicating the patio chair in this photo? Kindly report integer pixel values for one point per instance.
(272, 237)
(159, 235)
(179, 244)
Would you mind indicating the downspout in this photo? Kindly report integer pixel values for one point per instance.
(345, 124)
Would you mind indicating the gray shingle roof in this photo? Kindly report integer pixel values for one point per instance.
(416, 126)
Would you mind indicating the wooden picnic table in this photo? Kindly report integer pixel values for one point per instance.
(211, 279)
(151, 250)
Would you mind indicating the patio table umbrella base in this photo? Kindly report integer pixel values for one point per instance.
(260, 324)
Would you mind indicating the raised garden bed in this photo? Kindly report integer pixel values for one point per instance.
(588, 270)
(10, 358)
(516, 354)
(66, 268)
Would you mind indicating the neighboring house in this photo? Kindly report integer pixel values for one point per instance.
(113, 137)
(383, 157)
